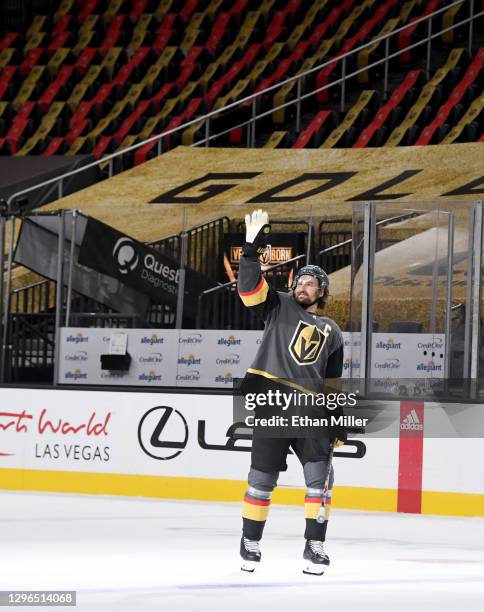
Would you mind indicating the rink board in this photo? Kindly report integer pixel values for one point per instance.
(112, 443)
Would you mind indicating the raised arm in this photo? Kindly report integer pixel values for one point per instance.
(254, 291)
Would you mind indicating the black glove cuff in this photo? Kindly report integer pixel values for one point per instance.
(252, 250)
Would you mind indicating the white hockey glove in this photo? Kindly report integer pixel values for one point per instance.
(257, 231)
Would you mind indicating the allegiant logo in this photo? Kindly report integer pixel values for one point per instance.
(390, 344)
(230, 341)
(78, 338)
(152, 340)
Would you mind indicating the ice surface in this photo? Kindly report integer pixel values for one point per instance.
(137, 554)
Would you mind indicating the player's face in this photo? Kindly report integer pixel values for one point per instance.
(307, 290)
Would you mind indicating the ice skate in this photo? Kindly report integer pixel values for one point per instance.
(315, 558)
(250, 553)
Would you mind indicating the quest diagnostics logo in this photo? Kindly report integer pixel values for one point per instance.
(125, 255)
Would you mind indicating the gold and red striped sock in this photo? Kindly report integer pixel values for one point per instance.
(255, 512)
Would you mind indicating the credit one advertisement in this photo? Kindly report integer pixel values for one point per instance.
(217, 358)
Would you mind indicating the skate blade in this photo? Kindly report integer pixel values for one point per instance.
(248, 566)
(314, 569)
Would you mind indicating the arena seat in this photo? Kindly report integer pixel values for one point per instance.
(5, 116)
(31, 86)
(6, 57)
(34, 41)
(113, 34)
(84, 60)
(7, 79)
(130, 122)
(57, 61)
(32, 58)
(104, 146)
(449, 18)
(354, 121)
(473, 114)
(314, 134)
(80, 146)
(65, 8)
(277, 140)
(138, 9)
(60, 41)
(466, 86)
(89, 83)
(55, 147)
(408, 36)
(430, 96)
(17, 133)
(112, 10)
(121, 54)
(87, 11)
(141, 35)
(80, 114)
(364, 57)
(284, 93)
(374, 133)
(9, 39)
(112, 61)
(61, 82)
(39, 23)
(325, 75)
(79, 129)
(63, 24)
(52, 120)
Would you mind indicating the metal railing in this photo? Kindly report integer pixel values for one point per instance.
(221, 307)
(337, 254)
(299, 79)
(204, 246)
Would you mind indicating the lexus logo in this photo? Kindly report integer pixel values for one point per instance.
(125, 254)
(162, 430)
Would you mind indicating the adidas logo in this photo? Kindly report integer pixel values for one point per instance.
(411, 421)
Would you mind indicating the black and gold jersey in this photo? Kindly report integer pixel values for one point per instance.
(297, 346)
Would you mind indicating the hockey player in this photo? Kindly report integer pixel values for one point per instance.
(297, 344)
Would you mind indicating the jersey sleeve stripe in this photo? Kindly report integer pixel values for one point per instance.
(255, 296)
